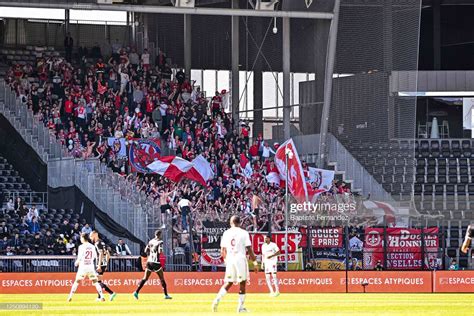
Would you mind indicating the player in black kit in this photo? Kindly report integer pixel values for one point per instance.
(103, 256)
(153, 251)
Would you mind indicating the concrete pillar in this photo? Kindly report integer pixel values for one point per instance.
(286, 79)
(257, 102)
(66, 21)
(235, 65)
(146, 39)
(187, 45)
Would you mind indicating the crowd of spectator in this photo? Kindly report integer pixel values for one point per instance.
(127, 96)
(38, 231)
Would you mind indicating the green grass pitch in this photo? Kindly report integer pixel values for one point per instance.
(257, 304)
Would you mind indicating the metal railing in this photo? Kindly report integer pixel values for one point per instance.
(29, 198)
(110, 192)
(62, 264)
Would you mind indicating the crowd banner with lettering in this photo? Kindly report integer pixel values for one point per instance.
(143, 152)
(211, 243)
(326, 237)
(211, 239)
(290, 282)
(329, 260)
(404, 248)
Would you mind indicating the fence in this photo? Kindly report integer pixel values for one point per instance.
(109, 191)
(29, 198)
(62, 264)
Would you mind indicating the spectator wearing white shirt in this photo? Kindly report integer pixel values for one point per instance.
(266, 151)
(122, 249)
(184, 207)
(145, 60)
(10, 205)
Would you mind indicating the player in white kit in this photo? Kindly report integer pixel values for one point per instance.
(270, 252)
(235, 245)
(86, 263)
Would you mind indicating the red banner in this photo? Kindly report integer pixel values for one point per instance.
(211, 239)
(389, 281)
(290, 282)
(294, 239)
(404, 247)
(326, 237)
(453, 281)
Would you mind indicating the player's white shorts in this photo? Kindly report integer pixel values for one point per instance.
(90, 273)
(236, 270)
(270, 266)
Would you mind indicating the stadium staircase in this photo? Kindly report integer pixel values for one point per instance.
(108, 191)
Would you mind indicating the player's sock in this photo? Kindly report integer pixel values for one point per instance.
(106, 288)
(142, 283)
(165, 288)
(222, 292)
(275, 283)
(241, 301)
(73, 289)
(269, 282)
(99, 289)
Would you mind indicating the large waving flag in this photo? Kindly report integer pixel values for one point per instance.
(320, 179)
(171, 167)
(201, 171)
(296, 180)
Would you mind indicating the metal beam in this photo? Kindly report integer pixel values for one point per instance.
(235, 52)
(286, 79)
(187, 46)
(330, 60)
(173, 10)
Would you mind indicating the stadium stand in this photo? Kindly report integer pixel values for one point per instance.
(90, 109)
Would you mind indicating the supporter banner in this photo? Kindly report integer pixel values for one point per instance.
(290, 282)
(294, 239)
(328, 260)
(404, 249)
(118, 146)
(320, 179)
(178, 282)
(389, 281)
(143, 151)
(453, 281)
(210, 243)
(211, 239)
(326, 237)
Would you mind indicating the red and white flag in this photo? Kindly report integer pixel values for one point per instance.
(296, 180)
(201, 171)
(171, 167)
(245, 166)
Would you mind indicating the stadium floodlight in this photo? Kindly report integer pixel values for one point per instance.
(264, 5)
(184, 3)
